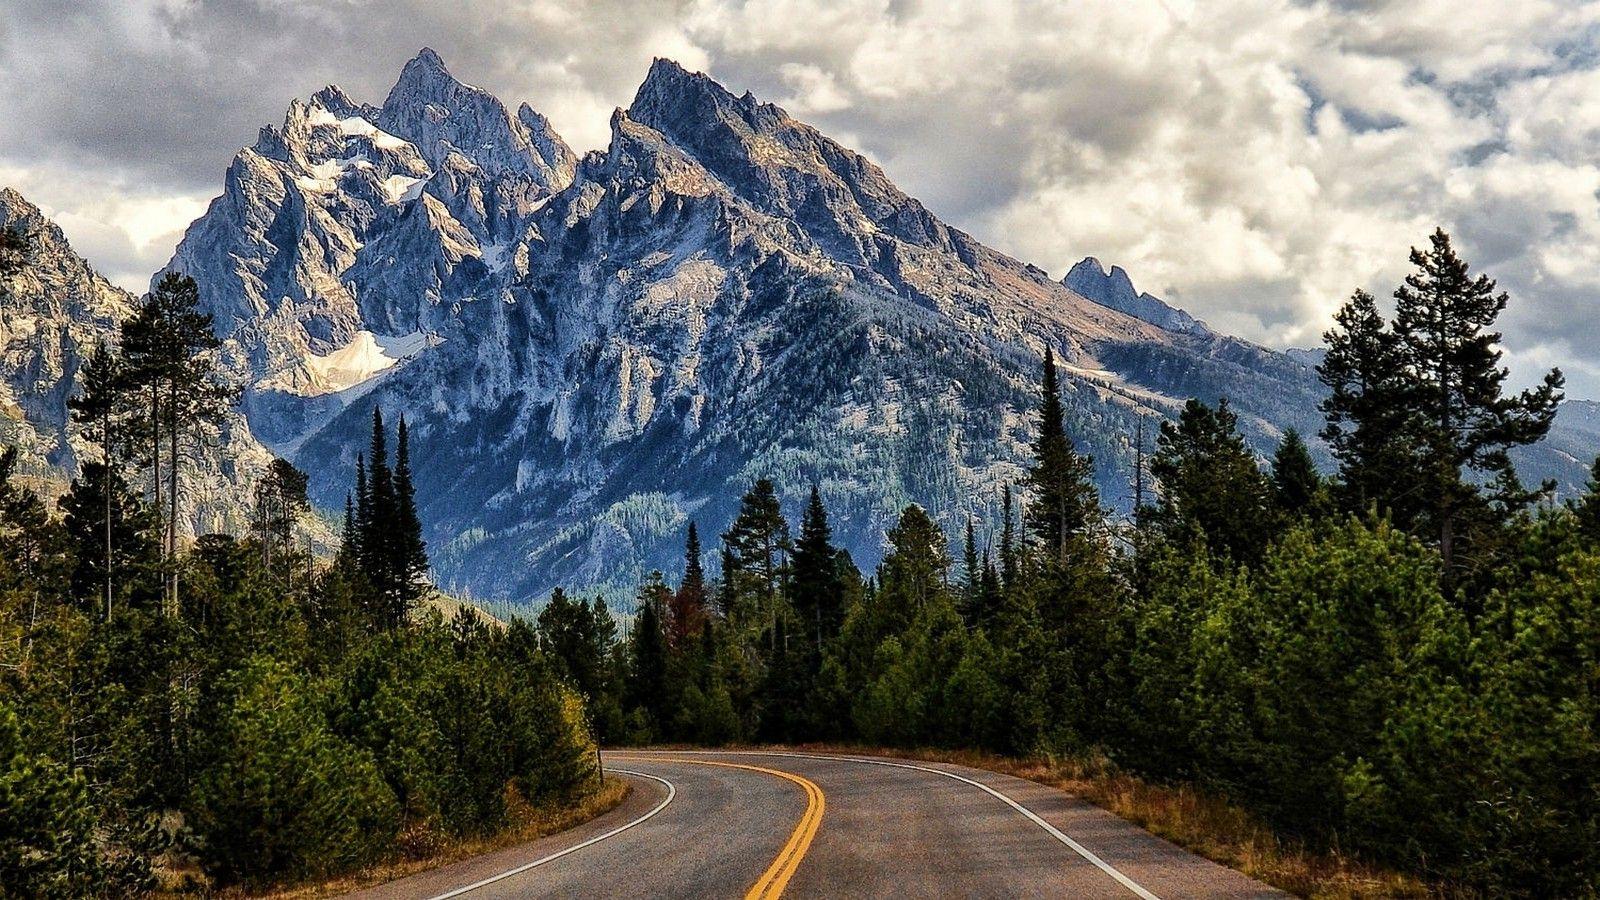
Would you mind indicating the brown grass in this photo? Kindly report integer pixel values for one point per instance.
(418, 851)
(1203, 823)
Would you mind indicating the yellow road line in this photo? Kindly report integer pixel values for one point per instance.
(772, 882)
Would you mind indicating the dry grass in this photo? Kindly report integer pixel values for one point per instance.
(1200, 822)
(420, 851)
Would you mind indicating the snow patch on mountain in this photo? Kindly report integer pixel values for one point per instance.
(364, 358)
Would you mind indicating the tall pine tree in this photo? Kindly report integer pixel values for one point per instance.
(815, 590)
(1065, 505)
(411, 551)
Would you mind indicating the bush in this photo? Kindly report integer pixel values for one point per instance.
(282, 795)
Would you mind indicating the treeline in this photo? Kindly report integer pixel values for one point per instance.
(234, 712)
(1401, 660)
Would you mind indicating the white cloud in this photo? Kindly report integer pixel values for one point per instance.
(1253, 160)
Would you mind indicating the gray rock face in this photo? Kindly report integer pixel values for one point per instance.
(1115, 289)
(351, 218)
(592, 353)
(724, 294)
(57, 310)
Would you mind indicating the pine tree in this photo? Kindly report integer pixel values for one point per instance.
(688, 612)
(1295, 481)
(380, 537)
(971, 574)
(1587, 507)
(1366, 409)
(281, 501)
(1009, 548)
(759, 543)
(914, 572)
(1065, 505)
(1463, 420)
(411, 550)
(1418, 415)
(166, 348)
(815, 591)
(119, 557)
(16, 252)
(98, 406)
(1210, 485)
(647, 673)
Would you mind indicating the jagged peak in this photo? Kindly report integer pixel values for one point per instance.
(427, 59)
(334, 99)
(1087, 266)
(672, 94)
(12, 199)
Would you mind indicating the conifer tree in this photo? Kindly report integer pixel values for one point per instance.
(1463, 420)
(688, 612)
(1366, 409)
(1295, 481)
(1009, 548)
(280, 503)
(363, 513)
(1587, 507)
(815, 590)
(647, 673)
(166, 349)
(759, 543)
(16, 250)
(1418, 415)
(1065, 504)
(1210, 485)
(971, 573)
(97, 406)
(411, 550)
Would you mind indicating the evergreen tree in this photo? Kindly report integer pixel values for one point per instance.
(120, 558)
(913, 574)
(98, 406)
(687, 615)
(411, 550)
(166, 348)
(1366, 409)
(1295, 481)
(281, 501)
(1418, 415)
(1587, 507)
(1065, 505)
(815, 590)
(1009, 545)
(647, 671)
(1210, 486)
(363, 513)
(758, 542)
(16, 252)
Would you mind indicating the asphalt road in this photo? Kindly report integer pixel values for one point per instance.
(757, 824)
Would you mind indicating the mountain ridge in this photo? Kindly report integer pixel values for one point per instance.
(594, 351)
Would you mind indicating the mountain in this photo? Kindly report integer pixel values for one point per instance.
(1115, 289)
(57, 310)
(593, 352)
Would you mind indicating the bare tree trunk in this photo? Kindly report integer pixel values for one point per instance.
(172, 507)
(105, 436)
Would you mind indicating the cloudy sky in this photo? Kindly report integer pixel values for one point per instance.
(1251, 160)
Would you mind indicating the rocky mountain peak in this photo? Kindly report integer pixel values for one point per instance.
(1114, 289)
(443, 116)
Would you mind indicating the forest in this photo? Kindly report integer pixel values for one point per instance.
(1399, 659)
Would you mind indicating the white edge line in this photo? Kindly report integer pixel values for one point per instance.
(671, 792)
(1053, 831)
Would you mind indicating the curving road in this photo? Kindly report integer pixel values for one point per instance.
(764, 824)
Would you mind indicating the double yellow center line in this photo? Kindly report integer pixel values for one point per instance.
(772, 882)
